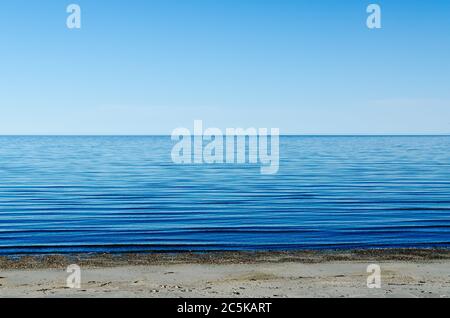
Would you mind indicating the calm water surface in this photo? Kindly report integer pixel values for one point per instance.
(85, 194)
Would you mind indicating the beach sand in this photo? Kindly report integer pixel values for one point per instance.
(404, 273)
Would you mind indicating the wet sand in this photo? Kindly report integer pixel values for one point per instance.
(404, 273)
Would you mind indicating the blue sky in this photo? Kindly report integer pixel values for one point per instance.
(149, 66)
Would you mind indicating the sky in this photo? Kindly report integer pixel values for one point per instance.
(142, 67)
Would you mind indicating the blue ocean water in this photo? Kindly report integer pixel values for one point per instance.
(116, 194)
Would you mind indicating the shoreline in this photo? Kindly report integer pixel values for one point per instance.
(108, 260)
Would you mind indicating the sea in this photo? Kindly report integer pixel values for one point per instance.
(120, 194)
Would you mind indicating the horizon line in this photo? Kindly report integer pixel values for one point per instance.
(224, 135)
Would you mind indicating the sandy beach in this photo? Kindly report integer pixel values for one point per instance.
(404, 273)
